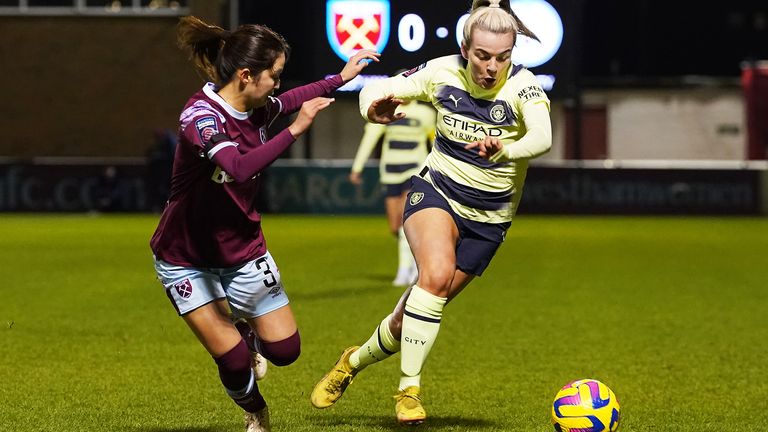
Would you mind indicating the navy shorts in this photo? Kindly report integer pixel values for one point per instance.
(396, 189)
(478, 241)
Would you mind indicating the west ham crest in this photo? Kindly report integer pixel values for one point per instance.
(184, 288)
(354, 25)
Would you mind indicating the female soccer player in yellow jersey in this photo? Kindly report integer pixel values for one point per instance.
(403, 151)
(492, 118)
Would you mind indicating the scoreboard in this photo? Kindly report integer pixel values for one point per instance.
(410, 32)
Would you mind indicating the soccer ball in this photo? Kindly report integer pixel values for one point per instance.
(585, 406)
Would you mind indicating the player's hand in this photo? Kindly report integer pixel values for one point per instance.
(357, 63)
(354, 178)
(383, 110)
(307, 113)
(486, 147)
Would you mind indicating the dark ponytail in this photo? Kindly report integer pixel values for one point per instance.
(217, 53)
(202, 42)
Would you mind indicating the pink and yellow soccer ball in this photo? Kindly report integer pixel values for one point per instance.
(585, 406)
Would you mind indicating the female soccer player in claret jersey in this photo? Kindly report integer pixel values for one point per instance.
(209, 248)
(492, 118)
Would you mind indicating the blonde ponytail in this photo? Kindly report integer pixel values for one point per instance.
(495, 16)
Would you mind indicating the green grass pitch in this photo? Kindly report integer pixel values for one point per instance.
(669, 312)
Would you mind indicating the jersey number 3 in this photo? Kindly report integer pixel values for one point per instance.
(269, 277)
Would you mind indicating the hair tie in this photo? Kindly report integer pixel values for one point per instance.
(495, 4)
(225, 35)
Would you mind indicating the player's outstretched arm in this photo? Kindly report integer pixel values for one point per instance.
(536, 141)
(383, 110)
(379, 99)
(307, 114)
(357, 63)
(242, 167)
(292, 100)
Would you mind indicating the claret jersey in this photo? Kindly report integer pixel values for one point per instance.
(516, 111)
(211, 220)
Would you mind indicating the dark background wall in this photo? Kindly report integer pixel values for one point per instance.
(89, 86)
(651, 38)
(100, 86)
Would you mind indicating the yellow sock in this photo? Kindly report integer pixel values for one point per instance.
(421, 323)
(378, 347)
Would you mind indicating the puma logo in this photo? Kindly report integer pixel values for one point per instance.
(455, 101)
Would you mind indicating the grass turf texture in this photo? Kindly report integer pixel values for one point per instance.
(669, 312)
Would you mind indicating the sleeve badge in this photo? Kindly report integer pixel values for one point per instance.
(206, 128)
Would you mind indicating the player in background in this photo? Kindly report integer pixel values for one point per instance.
(403, 151)
(209, 248)
(493, 117)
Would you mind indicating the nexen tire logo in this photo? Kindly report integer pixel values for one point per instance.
(353, 25)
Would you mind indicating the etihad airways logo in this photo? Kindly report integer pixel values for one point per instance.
(354, 25)
(464, 127)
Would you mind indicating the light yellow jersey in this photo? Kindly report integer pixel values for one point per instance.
(405, 143)
(515, 110)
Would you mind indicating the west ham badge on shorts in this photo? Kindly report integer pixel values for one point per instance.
(354, 25)
(184, 288)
